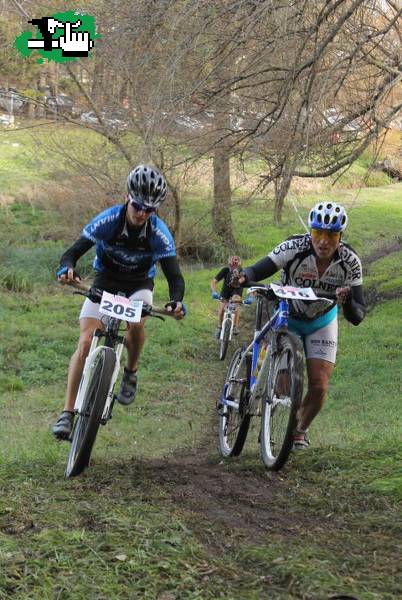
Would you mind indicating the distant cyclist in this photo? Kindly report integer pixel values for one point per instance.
(129, 239)
(321, 260)
(228, 291)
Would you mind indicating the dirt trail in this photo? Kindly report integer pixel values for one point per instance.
(227, 498)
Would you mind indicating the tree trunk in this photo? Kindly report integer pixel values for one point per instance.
(222, 209)
(97, 91)
(177, 217)
(222, 206)
(41, 84)
(53, 77)
(282, 185)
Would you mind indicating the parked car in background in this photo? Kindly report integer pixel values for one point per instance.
(89, 118)
(113, 118)
(6, 120)
(11, 100)
(186, 123)
(61, 104)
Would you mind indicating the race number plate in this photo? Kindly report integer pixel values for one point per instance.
(293, 293)
(121, 308)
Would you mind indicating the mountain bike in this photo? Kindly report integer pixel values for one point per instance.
(232, 306)
(95, 398)
(265, 379)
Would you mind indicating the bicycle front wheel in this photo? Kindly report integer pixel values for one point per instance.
(225, 339)
(87, 422)
(281, 401)
(234, 423)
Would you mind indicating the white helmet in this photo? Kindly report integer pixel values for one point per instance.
(328, 215)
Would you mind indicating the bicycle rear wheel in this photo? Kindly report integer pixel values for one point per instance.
(234, 423)
(281, 401)
(87, 422)
(225, 339)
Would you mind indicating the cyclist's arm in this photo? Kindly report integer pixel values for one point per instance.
(213, 285)
(78, 249)
(260, 270)
(171, 271)
(218, 277)
(354, 308)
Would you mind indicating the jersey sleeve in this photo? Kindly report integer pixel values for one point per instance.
(352, 265)
(222, 273)
(162, 241)
(103, 226)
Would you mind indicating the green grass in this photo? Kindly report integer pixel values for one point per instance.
(152, 519)
(56, 151)
(117, 522)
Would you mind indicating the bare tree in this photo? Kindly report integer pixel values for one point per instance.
(304, 86)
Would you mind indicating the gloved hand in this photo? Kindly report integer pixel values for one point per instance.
(67, 274)
(215, 295)
(178, 308)
(248, 300)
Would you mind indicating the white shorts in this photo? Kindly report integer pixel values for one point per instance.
(323, 342)
(90, 310)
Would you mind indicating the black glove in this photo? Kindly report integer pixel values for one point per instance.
(173, 304)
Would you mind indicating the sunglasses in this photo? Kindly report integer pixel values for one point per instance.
(318, 234)
(141, 208)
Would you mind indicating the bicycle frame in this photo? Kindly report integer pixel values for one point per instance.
(228, 315)
(94, 350)
(278, 321)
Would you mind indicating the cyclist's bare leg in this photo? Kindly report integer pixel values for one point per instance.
(135, 339)
(77, 362)
(319, 373)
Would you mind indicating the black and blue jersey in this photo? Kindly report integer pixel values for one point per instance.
(133, 251)
(126, 256)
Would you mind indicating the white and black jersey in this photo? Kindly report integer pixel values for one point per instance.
(297, 259)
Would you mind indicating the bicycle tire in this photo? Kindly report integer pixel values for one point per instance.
(225, 339)
(87, 422)
(280, 405)
(233, 423)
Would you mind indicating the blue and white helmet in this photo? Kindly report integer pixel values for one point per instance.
(328, 215)
(147, 186)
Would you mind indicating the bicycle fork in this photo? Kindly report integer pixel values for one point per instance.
(226, 318)
(107, 411)
(90, 364)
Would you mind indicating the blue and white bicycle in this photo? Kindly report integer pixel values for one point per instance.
(265, 379)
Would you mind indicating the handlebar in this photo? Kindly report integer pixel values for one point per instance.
(230, 301)
(221, 299)
(95, 294)
(268, 293)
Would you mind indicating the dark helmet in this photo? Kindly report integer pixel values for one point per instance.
(328, 215)
(146, 186)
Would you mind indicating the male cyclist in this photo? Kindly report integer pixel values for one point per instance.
(129, 238)
(228, 292)
(321, 260)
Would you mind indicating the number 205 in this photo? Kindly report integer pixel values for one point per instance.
(119, 309)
